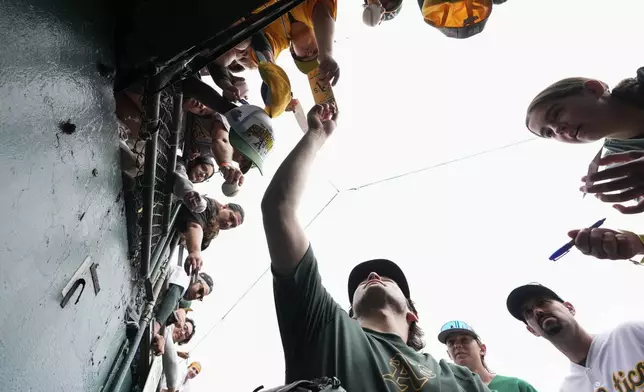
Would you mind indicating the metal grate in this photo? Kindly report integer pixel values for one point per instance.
(134, 201)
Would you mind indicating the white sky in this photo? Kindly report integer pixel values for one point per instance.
(465, 233)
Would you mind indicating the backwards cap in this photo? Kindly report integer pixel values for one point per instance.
(456, 18)
(276, 88)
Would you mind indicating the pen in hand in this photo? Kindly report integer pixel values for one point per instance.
(561, 252)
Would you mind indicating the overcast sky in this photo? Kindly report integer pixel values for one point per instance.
(468, 229)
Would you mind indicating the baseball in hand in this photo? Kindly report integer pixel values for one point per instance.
(229, 190)
(372, 14)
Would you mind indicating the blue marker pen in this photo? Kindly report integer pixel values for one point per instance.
(561, 252)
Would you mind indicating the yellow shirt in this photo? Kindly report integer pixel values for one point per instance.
(278, 33)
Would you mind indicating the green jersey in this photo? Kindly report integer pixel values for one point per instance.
(320, 339)
(614, 146)
(509, 384)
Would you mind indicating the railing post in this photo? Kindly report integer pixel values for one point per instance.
(153, 104)
(177, 124)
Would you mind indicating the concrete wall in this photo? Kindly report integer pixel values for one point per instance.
(60, 197)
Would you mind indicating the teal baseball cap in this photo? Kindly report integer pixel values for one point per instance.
(455, 327)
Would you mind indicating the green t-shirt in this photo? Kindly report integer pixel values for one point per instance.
(509, 384)
(614, 146)
(320, 339)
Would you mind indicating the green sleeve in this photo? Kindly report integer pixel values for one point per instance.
(168, 303)
(260, 43)
(467, 380)
(303, 307)
(525, 387)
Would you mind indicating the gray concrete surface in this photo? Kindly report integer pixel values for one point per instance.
(60, 197)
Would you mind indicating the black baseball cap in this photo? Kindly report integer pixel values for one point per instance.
(382, 267)
(523, 293)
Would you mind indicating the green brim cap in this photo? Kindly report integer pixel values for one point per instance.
(251, 133)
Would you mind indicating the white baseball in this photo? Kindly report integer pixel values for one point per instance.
(229, 190)
(372, 14)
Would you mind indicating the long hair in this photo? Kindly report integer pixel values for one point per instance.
(415, 333)
(415, 336)
(212, 231)
(629, 91)
(480, 343)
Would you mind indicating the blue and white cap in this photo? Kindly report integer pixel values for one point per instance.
(455, 327)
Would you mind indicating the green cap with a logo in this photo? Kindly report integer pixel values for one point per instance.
(251, 133)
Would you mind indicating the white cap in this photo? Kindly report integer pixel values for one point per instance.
(372, 14)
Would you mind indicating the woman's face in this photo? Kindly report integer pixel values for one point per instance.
(464, 349)
(581, 118)
(196, 107)
(200, 173)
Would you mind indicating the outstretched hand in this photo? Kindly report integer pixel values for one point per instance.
(626, 179)
(323, 117)
(607, 243)
(329, 70)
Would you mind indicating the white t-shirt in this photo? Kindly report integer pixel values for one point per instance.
(615, 362)
(179, 277)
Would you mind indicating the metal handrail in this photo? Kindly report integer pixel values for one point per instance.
(153, 105)
(146, 317)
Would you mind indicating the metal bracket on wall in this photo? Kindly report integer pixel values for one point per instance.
(97, 286)
(72, 290)
(83, 267)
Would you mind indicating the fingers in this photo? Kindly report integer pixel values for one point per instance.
(628, 210)
(610, 173)
(241, 180)
(620, 158)
(582, 241)
(624, 247)
(336, 77)
(603, 243)
(610, 246)
(336, 113)
(611, 186)
(596, 244)
(630, 194)
(237, 174)
(316, 109)
(573, 233)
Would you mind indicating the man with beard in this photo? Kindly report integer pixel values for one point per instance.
(375, 347)
(612, 361)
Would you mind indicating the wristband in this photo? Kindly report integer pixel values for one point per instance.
(232, 164)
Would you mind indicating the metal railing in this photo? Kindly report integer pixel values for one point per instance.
(152, 201)
(175, 67)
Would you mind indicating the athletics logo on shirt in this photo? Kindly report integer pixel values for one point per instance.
(407, 376)
(632, 380)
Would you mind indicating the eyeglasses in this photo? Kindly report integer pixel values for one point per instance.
(201, 292)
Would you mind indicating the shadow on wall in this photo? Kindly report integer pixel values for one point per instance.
(61, 198)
